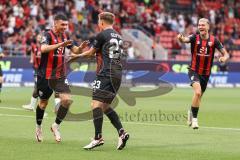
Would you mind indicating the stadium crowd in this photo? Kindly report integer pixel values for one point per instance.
(22, 20)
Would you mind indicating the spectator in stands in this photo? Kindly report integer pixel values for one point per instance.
(152, 16)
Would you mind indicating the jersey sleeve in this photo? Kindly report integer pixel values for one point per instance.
(192, 38)
(46, 38)
(218, 44)
(98, 41)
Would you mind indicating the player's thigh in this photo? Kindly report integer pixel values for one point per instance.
(60, 86)
(103, 90)
(197, 88)
(43, 89)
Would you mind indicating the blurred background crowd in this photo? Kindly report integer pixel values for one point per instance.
(161, 20)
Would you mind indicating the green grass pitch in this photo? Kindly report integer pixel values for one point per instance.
(157, 128)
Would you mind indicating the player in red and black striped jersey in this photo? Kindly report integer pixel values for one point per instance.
(108, 47)
(52, 75)
(203, 47)
(35, 60)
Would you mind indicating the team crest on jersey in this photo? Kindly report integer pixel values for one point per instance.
(210, 44)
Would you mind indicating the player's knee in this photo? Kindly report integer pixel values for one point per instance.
(66, 102)
(198, 93)
(43, 104)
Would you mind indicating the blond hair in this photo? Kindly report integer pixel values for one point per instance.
(107, 17)
(204, 20)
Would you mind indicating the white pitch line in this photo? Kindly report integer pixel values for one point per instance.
(12, 108)
(176, 125)
(136, 123)
(16, 115)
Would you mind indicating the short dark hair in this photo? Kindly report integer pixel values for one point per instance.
(108, 17)
(60, 16)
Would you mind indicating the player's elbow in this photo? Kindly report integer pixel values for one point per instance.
(43, 48)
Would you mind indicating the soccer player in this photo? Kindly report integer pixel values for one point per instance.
(108, 48)
(1, 74)
(52, 75)
(35, 60)
(203, 47)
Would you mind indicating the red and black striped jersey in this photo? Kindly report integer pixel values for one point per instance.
(53, 65)
(203, 53)
(36, 53)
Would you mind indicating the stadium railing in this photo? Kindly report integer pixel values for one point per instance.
(144, 45)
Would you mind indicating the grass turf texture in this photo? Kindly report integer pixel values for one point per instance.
(155, 137)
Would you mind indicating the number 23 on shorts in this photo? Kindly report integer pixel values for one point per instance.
(96, 84)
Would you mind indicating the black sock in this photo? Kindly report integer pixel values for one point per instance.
(98, 122)
(113, 117)
(194, 111)
(61, 114)
(39, 115)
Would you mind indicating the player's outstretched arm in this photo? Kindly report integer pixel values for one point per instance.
(86, 54)
(45, 48)
(79, 49)
(183, 39)
(225, 55)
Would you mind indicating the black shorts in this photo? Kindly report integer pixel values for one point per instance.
(105, 89)
(202, 79)
(1, 73)
(45, 87)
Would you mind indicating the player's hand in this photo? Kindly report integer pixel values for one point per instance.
(2, 55)
(66, 43)
(180, 37)
(223, 59)
(84, 44)
(31, 61)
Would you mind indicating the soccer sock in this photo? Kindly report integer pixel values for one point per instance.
(39, 115)
(113, 117)
(194, 111)
(61, 114)
(98, 122)
(33, 102)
